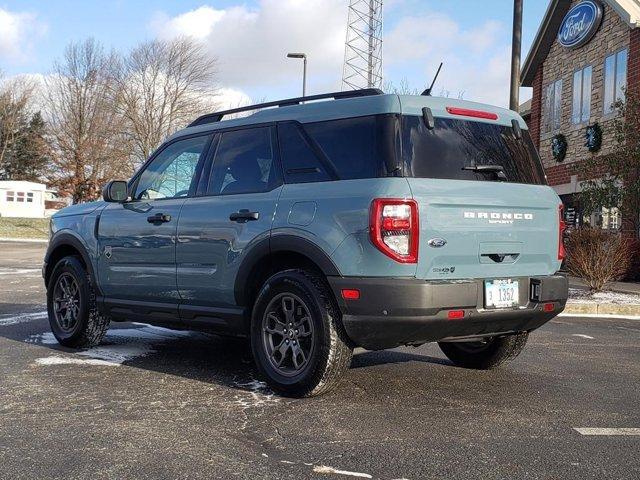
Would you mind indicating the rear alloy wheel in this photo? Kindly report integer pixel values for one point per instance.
(71, 304)
(287, 334)
(487, 353)
(297, 338)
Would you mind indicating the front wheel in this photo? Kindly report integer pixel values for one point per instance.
(297, 338)
(71, 304)
(487, 353)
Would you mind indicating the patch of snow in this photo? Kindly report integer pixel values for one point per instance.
(256, 394)
(577, 295)
(21, 318)
(325, 469)
(55, 360)
(582, 335)
(120, 344)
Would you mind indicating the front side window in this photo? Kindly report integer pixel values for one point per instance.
(244, 163)
(553, 106)
(615, 80)
(455, 148)
(171, 172)
(581, 95)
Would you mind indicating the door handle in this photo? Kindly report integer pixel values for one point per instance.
(244, 216)
(159, 218)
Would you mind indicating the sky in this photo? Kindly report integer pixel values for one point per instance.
(250, 40)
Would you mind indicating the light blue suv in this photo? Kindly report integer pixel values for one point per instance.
(316, 225)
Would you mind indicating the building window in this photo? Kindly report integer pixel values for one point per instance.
(615, 80)
(29, 197)
(11, 196)
(20, 197)
(609, 218)
(553, 106)
(582, 95)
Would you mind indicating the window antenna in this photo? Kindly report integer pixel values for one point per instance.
(427, 92)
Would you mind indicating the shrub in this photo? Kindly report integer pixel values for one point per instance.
(597, 256)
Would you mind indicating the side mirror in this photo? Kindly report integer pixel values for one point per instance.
(115, 191)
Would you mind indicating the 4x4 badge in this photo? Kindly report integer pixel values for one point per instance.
(437, 242)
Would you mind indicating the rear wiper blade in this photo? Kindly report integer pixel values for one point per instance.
(497, 170)
(484, 168)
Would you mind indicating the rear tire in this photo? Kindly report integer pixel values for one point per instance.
(297, 338)
(71, 305)
(487, 354)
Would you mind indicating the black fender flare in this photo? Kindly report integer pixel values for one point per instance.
(273, 245)
(68, 239)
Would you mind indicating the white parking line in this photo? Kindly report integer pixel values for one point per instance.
(599, 315)
(608, 431)
(20, 271)
(325, 469)
(22, 318)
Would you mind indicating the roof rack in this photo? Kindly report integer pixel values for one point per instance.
(217, 116)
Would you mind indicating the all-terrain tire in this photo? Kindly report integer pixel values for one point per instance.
(497, 351)
(332, 351)
(90, 327)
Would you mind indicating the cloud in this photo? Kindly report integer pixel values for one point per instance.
(18, 30)
(251, 43)
(476, 60)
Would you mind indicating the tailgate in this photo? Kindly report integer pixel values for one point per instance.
(476, 229)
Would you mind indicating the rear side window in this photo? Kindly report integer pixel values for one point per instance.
(354, 146)
(345, 149)
(244, 163)
(454, 147)
(301, 163)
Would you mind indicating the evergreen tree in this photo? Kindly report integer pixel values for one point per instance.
(29, 157)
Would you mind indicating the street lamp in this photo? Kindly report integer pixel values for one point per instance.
(303, 56)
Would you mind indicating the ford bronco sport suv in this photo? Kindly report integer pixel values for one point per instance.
(314, 227)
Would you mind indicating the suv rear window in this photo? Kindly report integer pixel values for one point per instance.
(454, 145)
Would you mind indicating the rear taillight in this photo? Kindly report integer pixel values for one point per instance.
(393, 228)
(561, 228)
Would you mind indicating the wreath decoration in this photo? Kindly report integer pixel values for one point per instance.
(593, 137)
(559, 147)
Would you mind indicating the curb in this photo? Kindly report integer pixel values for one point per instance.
(23, 240)
(602, 309)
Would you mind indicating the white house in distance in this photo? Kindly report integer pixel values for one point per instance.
(22, 199)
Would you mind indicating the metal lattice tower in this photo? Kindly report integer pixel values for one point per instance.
(363, 49)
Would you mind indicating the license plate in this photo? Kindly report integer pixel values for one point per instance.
(501, 293)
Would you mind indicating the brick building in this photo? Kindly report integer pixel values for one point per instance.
(585, 56)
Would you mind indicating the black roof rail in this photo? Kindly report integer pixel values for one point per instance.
(217, 116)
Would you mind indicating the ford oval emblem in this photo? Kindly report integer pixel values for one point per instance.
(580, 24)
(437, 242)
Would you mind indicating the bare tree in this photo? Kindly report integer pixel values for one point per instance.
(162, 85)
(86, 129)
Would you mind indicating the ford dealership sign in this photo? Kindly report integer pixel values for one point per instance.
(580, 24)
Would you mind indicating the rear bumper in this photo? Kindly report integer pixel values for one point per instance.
(393, 311)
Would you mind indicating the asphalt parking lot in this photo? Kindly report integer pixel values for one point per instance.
(152, 403)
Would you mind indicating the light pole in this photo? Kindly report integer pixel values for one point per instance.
(303, 56)
(514, 97)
